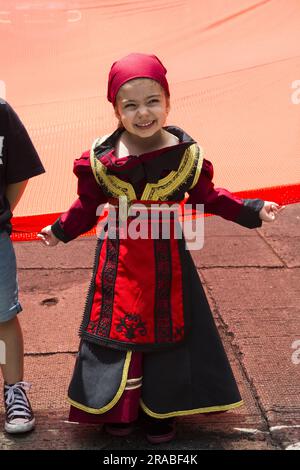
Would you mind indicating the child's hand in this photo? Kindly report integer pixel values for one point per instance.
(47, 236)
(270, 211)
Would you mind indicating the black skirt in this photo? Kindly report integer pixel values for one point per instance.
(193, 377)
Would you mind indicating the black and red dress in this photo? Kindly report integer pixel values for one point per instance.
(148, 338)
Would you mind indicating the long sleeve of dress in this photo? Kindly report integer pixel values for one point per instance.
(82, 215)
(220, 201)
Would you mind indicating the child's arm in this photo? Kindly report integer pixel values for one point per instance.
(219, 201)
(14, 193)
(82, 215)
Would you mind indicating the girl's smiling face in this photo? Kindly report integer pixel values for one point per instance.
(142, 107)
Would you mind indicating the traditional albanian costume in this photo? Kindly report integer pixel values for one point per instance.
(148, 338)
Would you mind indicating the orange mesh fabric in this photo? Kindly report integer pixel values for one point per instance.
(233, 69)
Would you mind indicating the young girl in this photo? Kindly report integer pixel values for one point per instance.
(149, 345)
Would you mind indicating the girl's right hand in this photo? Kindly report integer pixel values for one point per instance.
(47, 236)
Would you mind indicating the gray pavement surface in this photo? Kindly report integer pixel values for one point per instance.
(252, 280)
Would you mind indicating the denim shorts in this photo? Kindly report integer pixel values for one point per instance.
(9, 303)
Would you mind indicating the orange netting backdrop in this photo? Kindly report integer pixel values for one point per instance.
(233, 69)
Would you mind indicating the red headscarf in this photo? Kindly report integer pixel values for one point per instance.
(135, 65)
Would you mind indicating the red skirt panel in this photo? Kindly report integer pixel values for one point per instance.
(136, 295)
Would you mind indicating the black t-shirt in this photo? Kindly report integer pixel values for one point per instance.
(19, 160)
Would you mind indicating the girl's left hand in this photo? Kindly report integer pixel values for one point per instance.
(270, 211)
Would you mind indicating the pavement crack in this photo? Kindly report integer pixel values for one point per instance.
(52, 353)
(271, 248)
(69, 268)
(232, 266)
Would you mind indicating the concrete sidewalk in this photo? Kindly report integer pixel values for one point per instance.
(252, 280)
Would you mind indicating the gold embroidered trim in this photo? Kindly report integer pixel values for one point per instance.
(116, 398)
(198, 167)
(190, 412)
(191, 162)
(113, 184)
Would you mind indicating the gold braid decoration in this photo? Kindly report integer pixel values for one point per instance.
(198, 167)
(114, 185)
(191, 163)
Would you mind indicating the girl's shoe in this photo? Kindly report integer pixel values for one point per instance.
(119, 429)
(159, 431)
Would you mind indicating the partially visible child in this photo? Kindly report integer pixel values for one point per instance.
(149, 344)
(18, 162)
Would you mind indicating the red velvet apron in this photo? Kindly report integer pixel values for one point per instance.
(136, 294)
